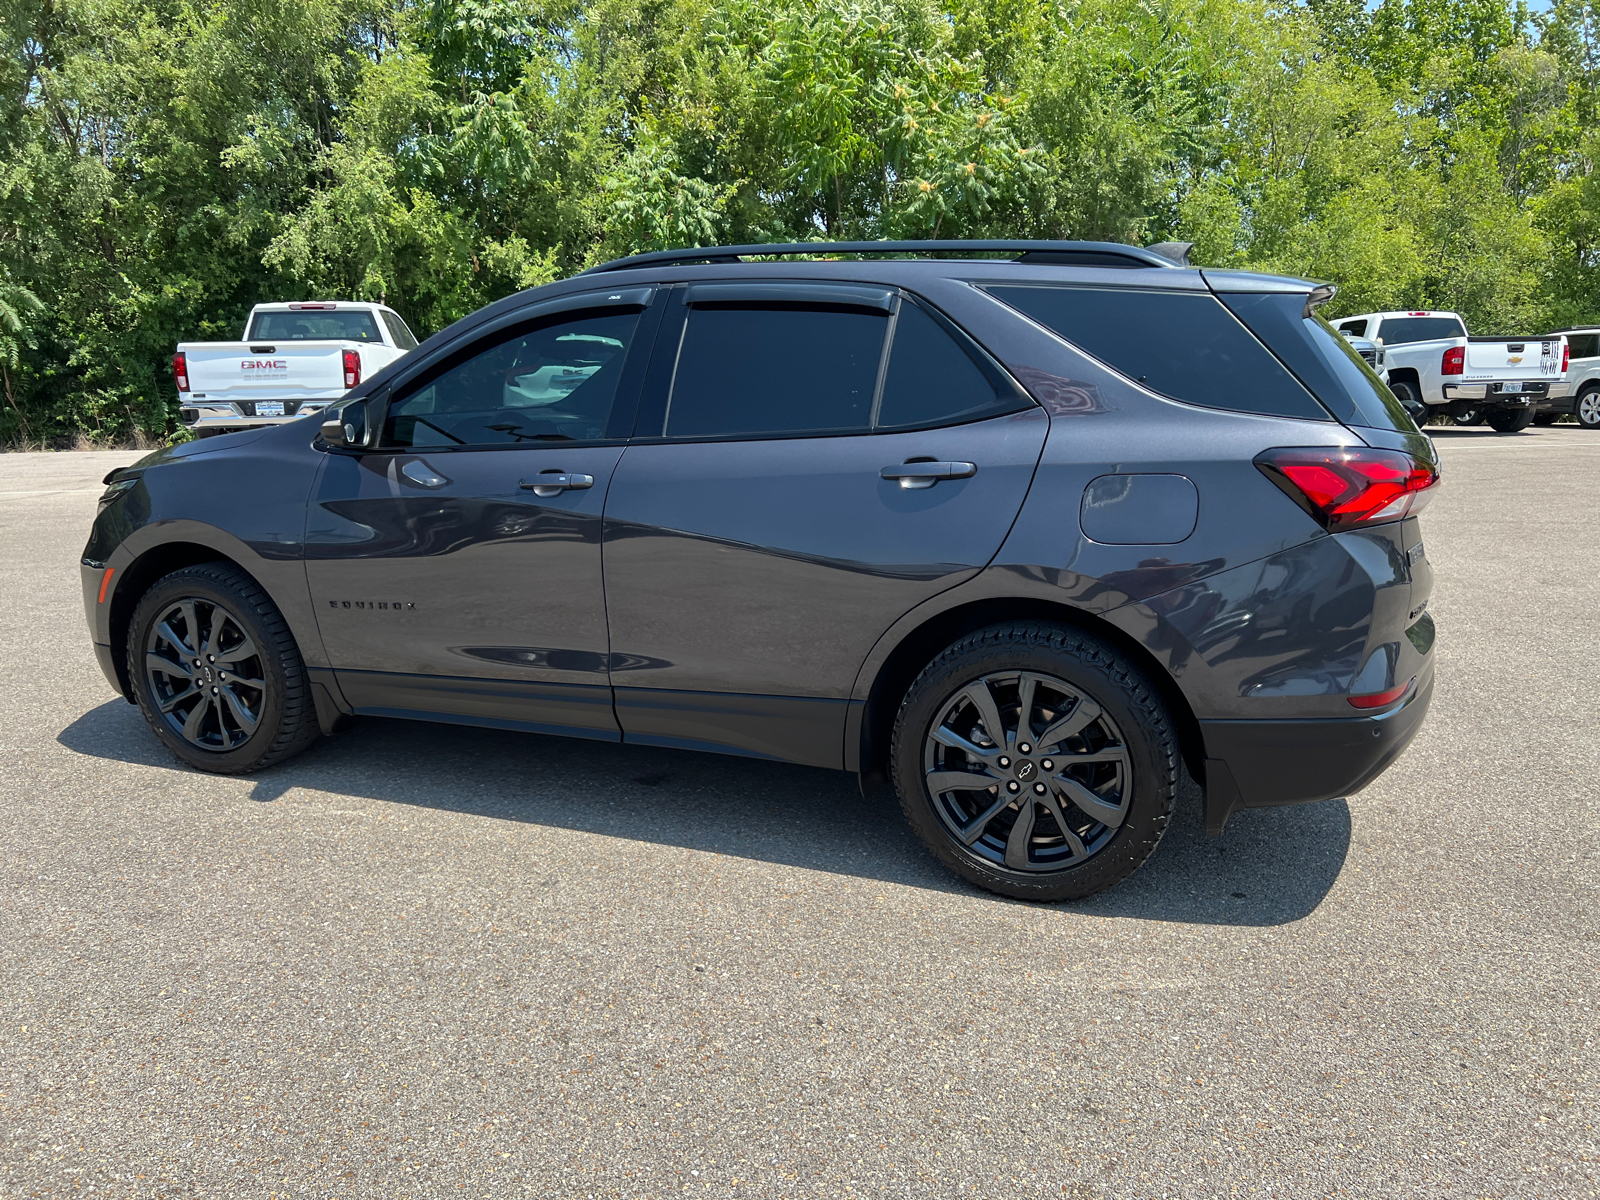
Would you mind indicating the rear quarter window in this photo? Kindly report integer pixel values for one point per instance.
(1184, 345)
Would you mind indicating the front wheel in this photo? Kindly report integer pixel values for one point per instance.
(1410, 397)
(1036, 762)
(1510, 420)
(216, 672)
(1589, 409)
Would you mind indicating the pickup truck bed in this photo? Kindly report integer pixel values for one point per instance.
(287, 367)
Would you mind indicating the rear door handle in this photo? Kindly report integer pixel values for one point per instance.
(553, 483)
(926, 474)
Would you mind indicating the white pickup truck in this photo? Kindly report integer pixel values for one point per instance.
(295, 359)
(1431, 365)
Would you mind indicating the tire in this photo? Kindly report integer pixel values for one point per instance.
(1114, 805)
(1545, 418)
(215, 612)
(1509, 420)
(1469, 417)
(1588, 409)
(1410, 397)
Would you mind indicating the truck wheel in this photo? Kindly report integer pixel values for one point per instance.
(1035, 761)
(1589, 409)
(1469, 416)
(1509, 420)
(216, 672)
(1411, 400)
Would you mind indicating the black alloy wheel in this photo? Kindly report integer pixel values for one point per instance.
(205, 674)
(1036, 762)
(217, 673)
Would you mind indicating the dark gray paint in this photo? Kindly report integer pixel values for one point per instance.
(757, 588)
(1140, 510)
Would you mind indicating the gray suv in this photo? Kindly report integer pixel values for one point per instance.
(1017, 526)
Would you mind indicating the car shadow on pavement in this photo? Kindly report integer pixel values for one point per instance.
(1271, 866)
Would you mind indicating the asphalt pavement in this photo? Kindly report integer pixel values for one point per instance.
(425, 961)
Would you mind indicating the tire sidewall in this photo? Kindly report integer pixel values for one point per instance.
(1510, 420)
(1125, 695)
(166, 592)
(1577, 408)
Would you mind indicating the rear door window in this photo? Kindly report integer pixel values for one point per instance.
(304, 325)
(1184, 345)
(398, 332)
(764, 370)
(1354, 328)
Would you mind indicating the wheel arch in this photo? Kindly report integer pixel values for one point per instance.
(135, 579)
(920, 645)
(1405, 375)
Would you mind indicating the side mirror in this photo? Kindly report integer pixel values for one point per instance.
(354, 425)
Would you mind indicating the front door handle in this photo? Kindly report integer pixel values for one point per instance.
(926, 474)
(553, 483)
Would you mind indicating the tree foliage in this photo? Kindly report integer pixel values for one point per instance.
(166, 164)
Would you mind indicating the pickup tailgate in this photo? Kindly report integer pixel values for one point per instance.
(286, 371)
(1496, 359)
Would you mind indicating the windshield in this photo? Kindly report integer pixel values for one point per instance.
(1399, 331)
(302, 325)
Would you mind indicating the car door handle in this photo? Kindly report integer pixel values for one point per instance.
(926, 474)
(553, 483)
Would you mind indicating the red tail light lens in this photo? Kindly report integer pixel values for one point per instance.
(1381, 699)
(1346, 486)
(1454, 362)
(1566, 356)
(352, 368)
(180, 369)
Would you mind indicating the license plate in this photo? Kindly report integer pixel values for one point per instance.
(269, 408)
(1510, 387)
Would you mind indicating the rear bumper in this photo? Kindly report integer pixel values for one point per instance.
(199, 417)
(1260, 764)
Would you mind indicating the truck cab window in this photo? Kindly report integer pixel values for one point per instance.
(301, 325)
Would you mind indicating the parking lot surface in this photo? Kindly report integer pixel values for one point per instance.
(429, 961)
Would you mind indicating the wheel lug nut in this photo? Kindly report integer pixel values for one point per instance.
(1039, 787)
(213, 691)
(1011, 787)
(1004, 761)
(1024, 748)
(1047, 765)
(211, 658)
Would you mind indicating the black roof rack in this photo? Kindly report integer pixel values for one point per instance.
(1075, 254)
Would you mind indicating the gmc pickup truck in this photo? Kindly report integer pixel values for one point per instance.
(1432, 366)
(295, 359)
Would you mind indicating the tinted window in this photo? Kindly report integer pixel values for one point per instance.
(1182, 344)
(554, 383)
(1584, 345)
(1398, 331)
(1324, 361)
(301, 325)
(933, 379)
(1358, 328)
(398, 331)
(774, 370)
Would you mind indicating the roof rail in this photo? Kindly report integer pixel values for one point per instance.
(1074, 254)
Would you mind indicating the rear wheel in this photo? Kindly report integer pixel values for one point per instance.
(1036, 762)
(1410, 397)
(1589, 409)
(1468, 416)
(1509, 420)
(216, 672)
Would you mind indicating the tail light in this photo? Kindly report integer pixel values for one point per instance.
(1344, 487)
(1455, 361)
(1566, 356)
(1381, 699)
(352, 368)
(180, 369)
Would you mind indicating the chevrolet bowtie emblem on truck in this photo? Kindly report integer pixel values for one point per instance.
(1514, 359)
